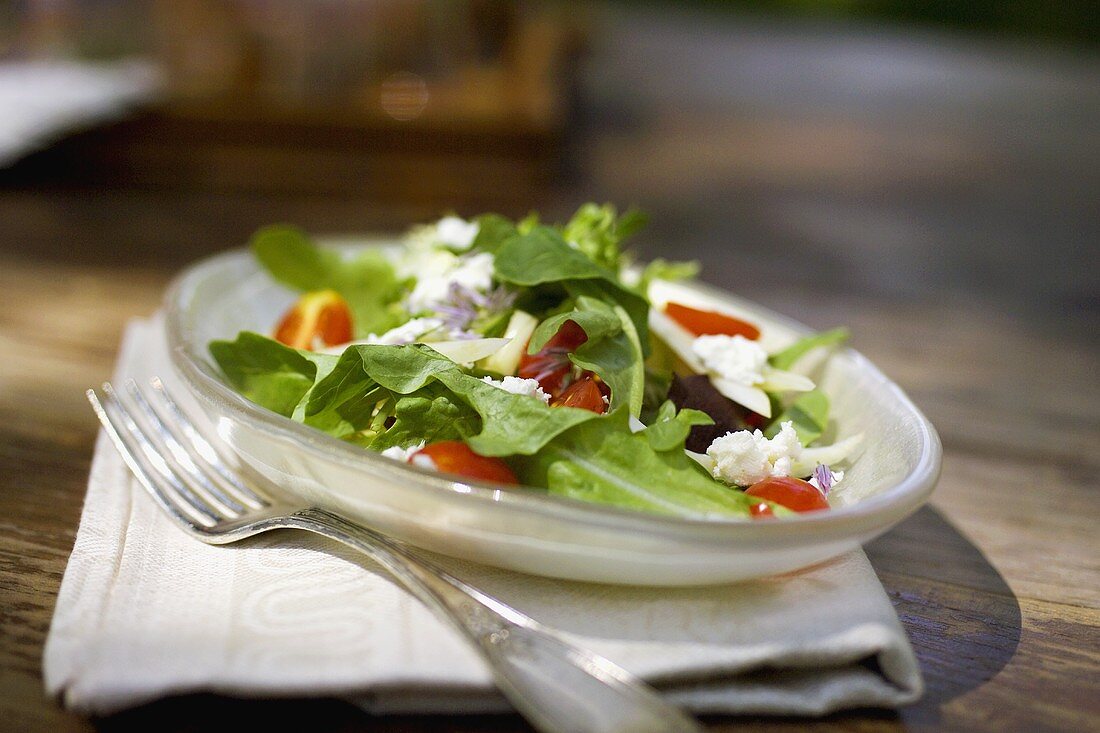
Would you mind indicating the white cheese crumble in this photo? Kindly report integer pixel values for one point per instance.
(403, 455)
(423, 460)
(436, 273)
(456, 233)
(406, 333)
(735, 358)
(517, 385)
(743, 458)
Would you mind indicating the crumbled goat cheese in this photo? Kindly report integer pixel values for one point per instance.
(456, 233)
(423, 460)
(517, 385)
(406, 333)
(735, 358)
(403, 455)
(743, 458)
(433, 284)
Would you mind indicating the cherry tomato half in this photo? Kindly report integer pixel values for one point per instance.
(709, 323)
(584, 393)
(761, 510)
(454, 456)
(792, 493)
(322, 315)
(551, 367)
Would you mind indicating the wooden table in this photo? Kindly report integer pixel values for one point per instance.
(997, 581)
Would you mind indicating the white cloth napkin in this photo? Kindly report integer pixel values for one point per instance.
(145, 611)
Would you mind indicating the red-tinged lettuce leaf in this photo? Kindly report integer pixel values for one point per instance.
(697, 393)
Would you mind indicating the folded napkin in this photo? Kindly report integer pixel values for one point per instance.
(145, 611)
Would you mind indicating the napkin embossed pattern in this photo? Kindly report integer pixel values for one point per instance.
(145, 611)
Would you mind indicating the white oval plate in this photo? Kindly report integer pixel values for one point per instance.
(527, 529)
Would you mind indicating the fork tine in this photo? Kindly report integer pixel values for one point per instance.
(201, 482)
(153, 486)
(202, 448)
(157, 468)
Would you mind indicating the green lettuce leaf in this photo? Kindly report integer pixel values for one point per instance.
(542, 257)
(493, 230)
(670, 428)
(267, 372)
(786, 358)
(367, 282)
(601, 461)
(612, 350)
(510, 424)
(808, 415)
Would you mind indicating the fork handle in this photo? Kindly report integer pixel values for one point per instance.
(558, 687)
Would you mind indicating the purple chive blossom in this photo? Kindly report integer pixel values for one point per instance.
(823, 479)
(463, 305)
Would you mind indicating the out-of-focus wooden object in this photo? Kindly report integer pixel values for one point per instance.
(426, 103)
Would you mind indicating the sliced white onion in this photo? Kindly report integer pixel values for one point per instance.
(676, 337)
(702, 459)
(460, 351)
(779, 380)
(746, 395)
(468, 351)
(809, 458)
(505, 361)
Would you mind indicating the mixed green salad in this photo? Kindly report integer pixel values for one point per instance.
(540, 355)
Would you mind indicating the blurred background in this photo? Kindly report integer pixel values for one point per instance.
(876, 148)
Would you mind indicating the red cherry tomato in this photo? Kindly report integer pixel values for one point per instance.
(454, 456)
(708, 323)
(322, 314)
(792, 493)
(761, 510)
(584, 393)
(551, 367)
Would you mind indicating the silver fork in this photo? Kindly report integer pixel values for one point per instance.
(557, 686)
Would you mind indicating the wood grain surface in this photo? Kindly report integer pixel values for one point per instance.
(954, 233)
(995, 582)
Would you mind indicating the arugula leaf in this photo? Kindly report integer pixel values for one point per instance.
(542, 256)
(671, 428)
(612, 350)
(345, 401)
(601, 461)
(619, 362)
(636, 307)
(511, 424)
(786, 358)
(367, 282)
(598, 320)
(808, 415)
(267, 372)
